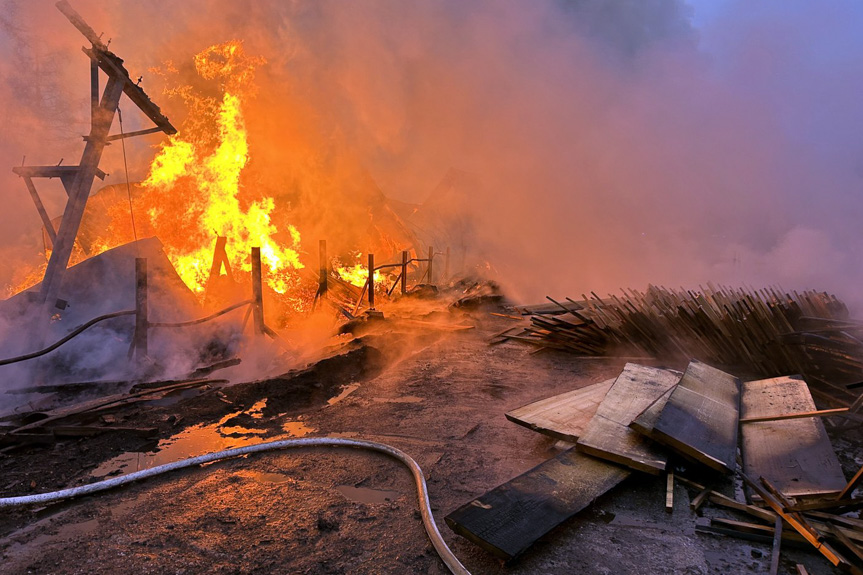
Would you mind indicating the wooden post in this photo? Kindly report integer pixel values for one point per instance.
(404, 278)
(142, 322)
(371, 282)
(446, 265)
(79, 193)
(257, 291)
(431, 259)
(324, 269)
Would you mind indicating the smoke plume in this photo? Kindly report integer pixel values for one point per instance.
(614, 143)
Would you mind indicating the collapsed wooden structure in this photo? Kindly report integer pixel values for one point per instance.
(78, 180)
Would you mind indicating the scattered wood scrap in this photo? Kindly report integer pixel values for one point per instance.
(105, 403)
(700, 419)
(697, 414)
(510, 518)
(563, 416)
(768, 331)
(794, 454)
(608, 435)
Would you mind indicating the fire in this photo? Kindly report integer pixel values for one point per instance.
(193, 189)
(357, 274)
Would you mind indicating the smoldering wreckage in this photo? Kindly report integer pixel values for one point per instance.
(712, 430)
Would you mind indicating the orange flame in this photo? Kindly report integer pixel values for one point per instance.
(194, 183)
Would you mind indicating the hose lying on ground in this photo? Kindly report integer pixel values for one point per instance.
(439, 544)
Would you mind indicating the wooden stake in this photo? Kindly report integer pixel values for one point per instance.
(404, 278)
(324, 269)
(431, 259)
(371, 281)
(669, 492)
(257, 292)
(777, 543)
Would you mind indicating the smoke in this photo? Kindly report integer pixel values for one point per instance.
(617, 143)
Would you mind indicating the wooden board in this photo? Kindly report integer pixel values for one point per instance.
(563, 416)
(700, 418)
(645, 421)
(608, 434)
(794, 454)
(510, 518)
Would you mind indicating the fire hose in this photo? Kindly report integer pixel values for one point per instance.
(446, 555)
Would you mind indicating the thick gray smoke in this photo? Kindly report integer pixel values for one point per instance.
(617, 143)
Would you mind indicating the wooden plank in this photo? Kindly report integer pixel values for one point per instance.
(645, 421)
(851, 486)
(794, 454)
(669, 492)
(563, 416)
(796, 522)
(700, 418)
(608, 434)
(800, 415)
(510, 518)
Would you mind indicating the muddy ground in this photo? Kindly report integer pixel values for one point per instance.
(440, 396)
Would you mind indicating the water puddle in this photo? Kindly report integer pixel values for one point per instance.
(297, 428)
(367, 495)
(346, 391)
(227, 433)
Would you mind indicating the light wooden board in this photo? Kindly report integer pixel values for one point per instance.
(608, 434)
(700, 418)
(563, 416)
(510, 518)
(794, 454)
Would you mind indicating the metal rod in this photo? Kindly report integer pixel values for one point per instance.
(324, 269)
(404, 278)
(257, 292)
(141, 309)
(431, 259)
(371, 282)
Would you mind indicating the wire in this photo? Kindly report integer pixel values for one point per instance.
(446, 555)
(126, 168)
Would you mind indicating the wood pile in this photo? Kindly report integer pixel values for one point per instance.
(766, 332)
(649, 420)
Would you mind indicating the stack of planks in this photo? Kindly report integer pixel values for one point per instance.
(768, 332)
(647, 416)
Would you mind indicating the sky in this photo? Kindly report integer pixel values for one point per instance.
(618, 144)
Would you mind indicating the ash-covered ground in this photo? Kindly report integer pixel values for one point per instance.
(437, 394)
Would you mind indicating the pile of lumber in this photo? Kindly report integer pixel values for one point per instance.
(647, 419)
(767, 332)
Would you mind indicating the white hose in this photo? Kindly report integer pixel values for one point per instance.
(425, 508)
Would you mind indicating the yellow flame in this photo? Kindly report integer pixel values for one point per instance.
(210, 180)
(356, 274)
